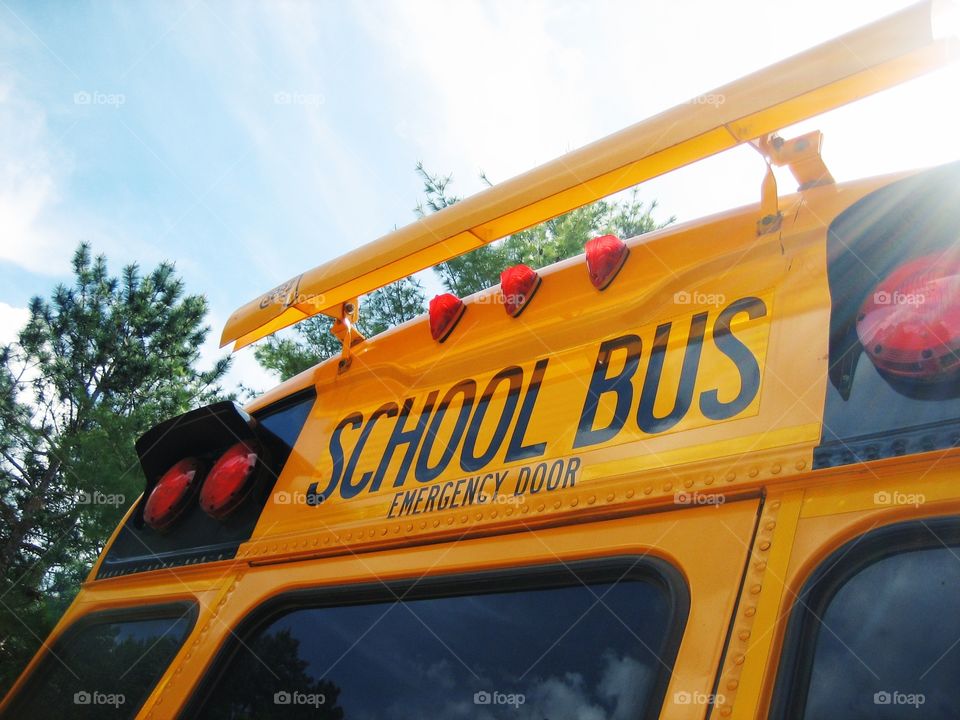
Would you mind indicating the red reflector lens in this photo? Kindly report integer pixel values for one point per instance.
(228, 481)
(910, 325)
(605, 256)
(170, 495)
(517, 285)
(445, 312)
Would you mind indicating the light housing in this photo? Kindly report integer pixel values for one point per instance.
(605, 256)
(445, 312)
(518, 284)
(229, 481)
(171, 495)
(909, 325)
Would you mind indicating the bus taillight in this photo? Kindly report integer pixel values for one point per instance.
(171, 495)
(229, 481)
(910, 325)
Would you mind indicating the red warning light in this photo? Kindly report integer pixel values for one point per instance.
(605, 256)
(445, 312)
(517, 286)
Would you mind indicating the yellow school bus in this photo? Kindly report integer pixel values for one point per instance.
(706, 472)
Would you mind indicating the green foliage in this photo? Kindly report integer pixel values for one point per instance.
(236, 698)
(544, 244)
(96, 365)
(311, 341)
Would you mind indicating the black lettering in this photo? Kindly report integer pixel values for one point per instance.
(348, 488)
(646, 420)
(456, 492)
(746, 363)
(571, 477)
(523, 479)
(353, 420)
(539, 476)
(473, 486)
(416, 506)
(516, 450)
(600, 384)
(423, 472)
(556, 474)
(408, 499)
(445, 499)
(431, 497)
(469, 460)
(482, 496)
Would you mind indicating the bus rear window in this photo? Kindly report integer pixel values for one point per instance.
(592, 649)
(106, 666)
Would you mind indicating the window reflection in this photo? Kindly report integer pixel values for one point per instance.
(889, 643)
(103, 670)
(583, 652)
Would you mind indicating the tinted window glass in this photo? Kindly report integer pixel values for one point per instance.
(597, 651)
(287, 422)
(103, 669)
(887, 644)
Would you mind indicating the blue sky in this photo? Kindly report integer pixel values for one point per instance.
(250, 141)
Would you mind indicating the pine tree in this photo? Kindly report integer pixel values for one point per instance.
(96, 365)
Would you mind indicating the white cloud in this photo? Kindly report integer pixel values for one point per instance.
(626, 684)
(28, 185)
(504, 86)
(490, 86)
(563, 698)
(244, 369)
(12, 320)
(282, 51)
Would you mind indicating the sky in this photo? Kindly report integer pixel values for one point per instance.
(247, 142)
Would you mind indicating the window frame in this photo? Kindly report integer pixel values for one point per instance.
(132, 613)
(792, 684)
(525, 578)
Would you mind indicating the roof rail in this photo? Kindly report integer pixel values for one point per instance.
(850, 67)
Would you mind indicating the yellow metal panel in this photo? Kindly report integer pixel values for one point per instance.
(707, 544)
(840, 71)
(760, 607)
(711, 263)
(840, 504)
(563, 329)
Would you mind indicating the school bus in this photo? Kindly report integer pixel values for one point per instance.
(706, 472)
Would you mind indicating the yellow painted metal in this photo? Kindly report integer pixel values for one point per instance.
(801, 155)
(629, 489)
(709, 544)
(769, 569)
(827, 510)
(838, 72)
(670, 277)
(770, 215)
